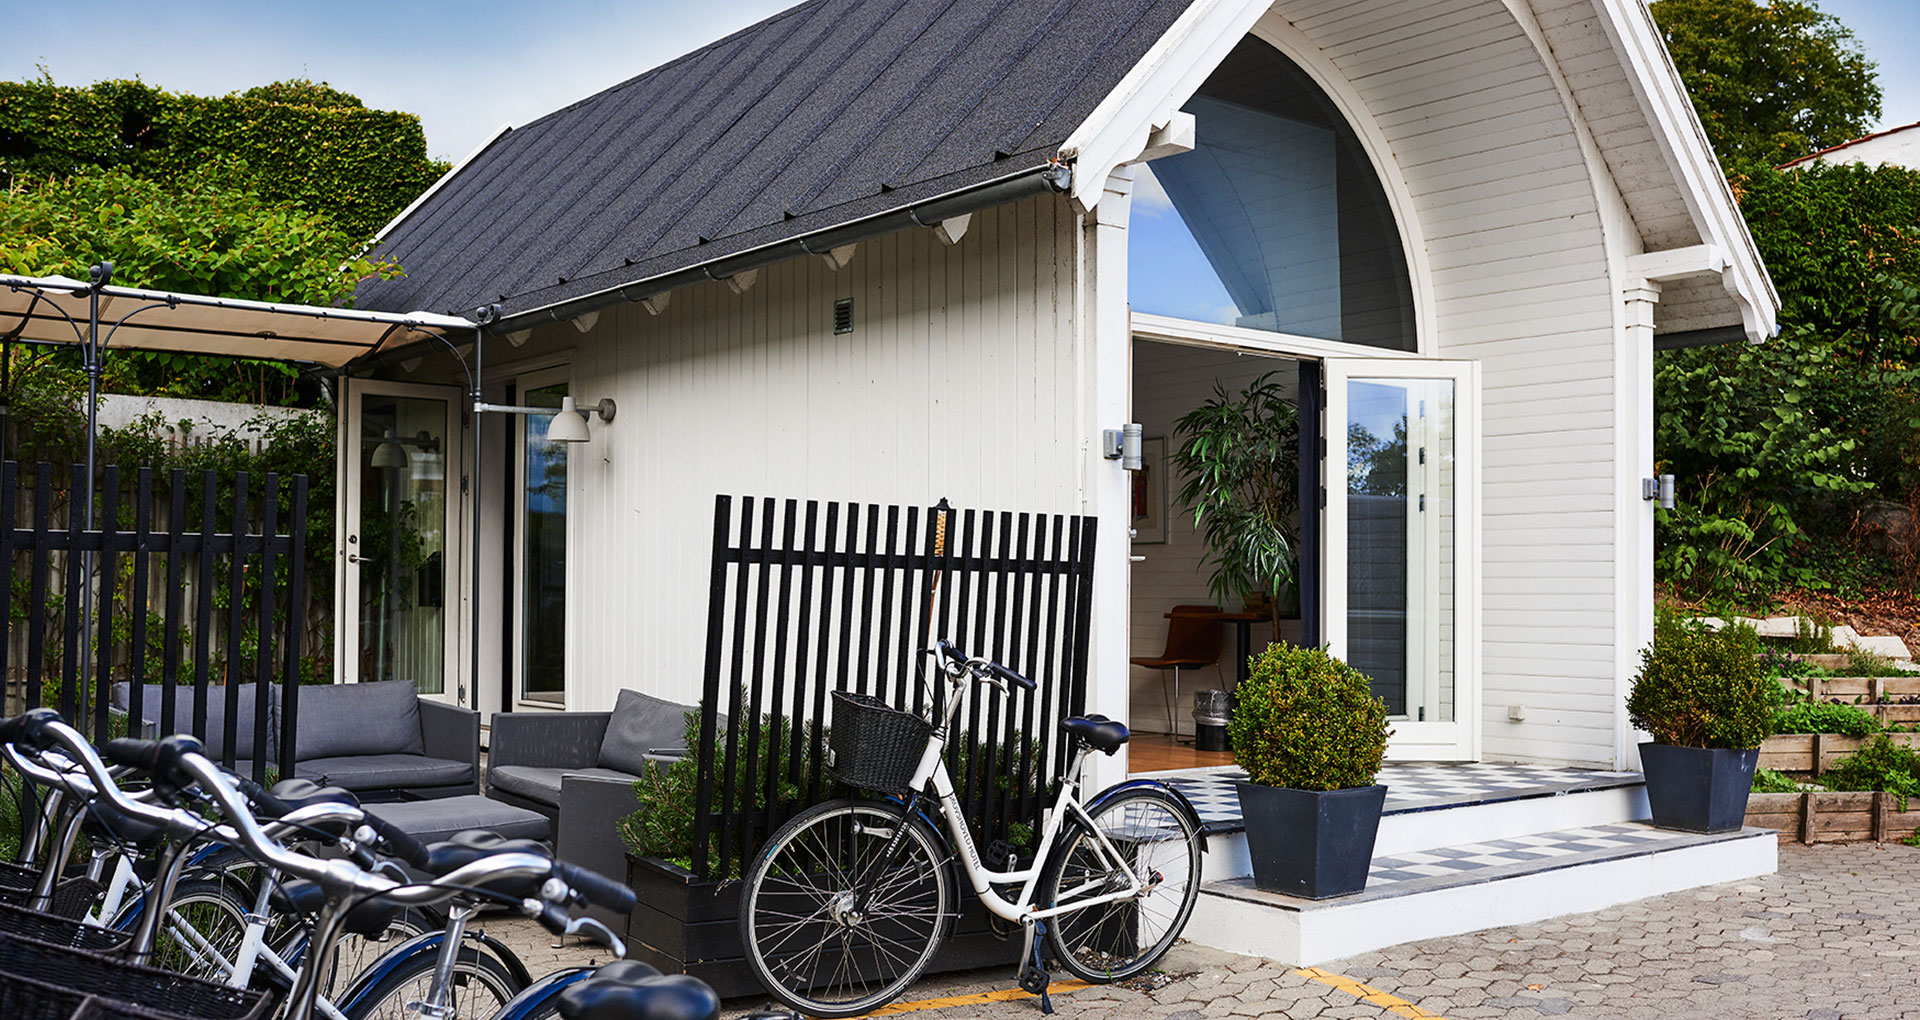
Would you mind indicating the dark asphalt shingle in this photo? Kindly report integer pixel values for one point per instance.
(830, 111)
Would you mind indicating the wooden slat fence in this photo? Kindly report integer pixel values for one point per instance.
(811, 597)
(219, 620)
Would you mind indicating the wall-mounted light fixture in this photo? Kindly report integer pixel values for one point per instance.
(1660, 488)
(569, 421)
(1124, 445)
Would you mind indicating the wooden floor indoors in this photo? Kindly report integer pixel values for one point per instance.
(1157, 752)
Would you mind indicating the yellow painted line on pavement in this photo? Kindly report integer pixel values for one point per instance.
(980, 999)
(1369, 994)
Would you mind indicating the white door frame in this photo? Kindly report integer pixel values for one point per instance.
(516, 584)
(456, 553)
(1458, 739)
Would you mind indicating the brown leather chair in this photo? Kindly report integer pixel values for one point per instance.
(1193, 641)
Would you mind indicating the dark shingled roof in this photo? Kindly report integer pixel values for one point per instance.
(831, 111)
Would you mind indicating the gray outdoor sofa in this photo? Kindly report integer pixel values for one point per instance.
(381, 740)
(578, 769)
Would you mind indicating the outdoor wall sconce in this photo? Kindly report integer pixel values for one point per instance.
(569, 422)
(1660, 488)
(1124, 445)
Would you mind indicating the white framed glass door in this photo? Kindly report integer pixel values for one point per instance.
(1400, 555)
(402, 521)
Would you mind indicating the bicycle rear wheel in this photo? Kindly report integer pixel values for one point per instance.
(1158, 841)
(809, 937)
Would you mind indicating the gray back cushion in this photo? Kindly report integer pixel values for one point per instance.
(640, 725)
(215, 736)
(342, 719)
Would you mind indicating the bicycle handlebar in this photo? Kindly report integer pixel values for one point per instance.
(981, 667)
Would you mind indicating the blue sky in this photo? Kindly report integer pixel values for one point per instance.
(469, 67)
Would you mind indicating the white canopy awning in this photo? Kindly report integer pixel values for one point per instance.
(53, 309)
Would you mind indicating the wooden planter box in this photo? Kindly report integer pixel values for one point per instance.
(1817, 752)
(683, 925)
(1830, 817)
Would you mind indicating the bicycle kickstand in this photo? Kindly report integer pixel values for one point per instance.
(1033, 973)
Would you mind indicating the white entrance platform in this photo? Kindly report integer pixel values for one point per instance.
(1463, 848)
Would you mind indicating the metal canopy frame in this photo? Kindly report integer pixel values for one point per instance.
(44, 317)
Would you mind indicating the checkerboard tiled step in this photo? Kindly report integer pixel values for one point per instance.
(1475, 860)
(1409, 787)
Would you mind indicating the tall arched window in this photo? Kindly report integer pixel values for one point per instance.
(1275, 220)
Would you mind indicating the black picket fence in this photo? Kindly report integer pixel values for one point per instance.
(808, 598)
(216, 608)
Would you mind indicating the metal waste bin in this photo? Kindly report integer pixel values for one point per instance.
(1210, 712)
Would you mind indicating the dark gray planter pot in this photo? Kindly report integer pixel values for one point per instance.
(1310, 843)
(1698, 789)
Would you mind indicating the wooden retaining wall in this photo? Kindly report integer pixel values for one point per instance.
(1817, 752)
(1833, 817)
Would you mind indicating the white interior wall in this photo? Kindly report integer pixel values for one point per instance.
(1168, 381)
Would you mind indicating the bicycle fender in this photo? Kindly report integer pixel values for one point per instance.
(1186, 806)
(507, 957)
(536, 998)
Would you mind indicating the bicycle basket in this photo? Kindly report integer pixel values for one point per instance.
(162, 992)
(875, 746)
(60, 931)
(72, 896)
(27, 999)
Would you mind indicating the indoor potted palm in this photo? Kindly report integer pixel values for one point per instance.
(1241, 458)
(1311, 736)
(1703, 698)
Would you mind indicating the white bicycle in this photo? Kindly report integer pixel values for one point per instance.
(846, 904)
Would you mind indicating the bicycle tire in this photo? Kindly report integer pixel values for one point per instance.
(1104, 943)
(788, 927)
(474, 972)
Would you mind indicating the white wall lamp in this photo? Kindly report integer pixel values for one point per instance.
(569, 421)
(1124, 445)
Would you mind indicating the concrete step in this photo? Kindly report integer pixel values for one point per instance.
(1492, 882)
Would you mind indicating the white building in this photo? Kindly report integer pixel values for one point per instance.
(1899, 146)
(1472, 218)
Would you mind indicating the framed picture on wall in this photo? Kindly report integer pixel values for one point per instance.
(1150, 493)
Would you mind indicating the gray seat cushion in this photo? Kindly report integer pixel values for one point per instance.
(542, 785)
(430, 821)
(336, 720)
(385, 771)
(215, 736)
(642, 726)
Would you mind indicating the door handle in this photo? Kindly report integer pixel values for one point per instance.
(351, 558)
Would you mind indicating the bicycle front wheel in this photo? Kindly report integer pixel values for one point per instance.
(830, 927)
(1148, 834)
(479, 986)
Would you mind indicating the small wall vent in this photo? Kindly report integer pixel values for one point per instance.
(843, 315)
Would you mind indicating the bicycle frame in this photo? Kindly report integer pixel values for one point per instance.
(931, 776)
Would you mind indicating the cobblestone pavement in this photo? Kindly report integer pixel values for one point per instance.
(1835, 935)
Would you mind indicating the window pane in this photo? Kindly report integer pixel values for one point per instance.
(1274, 221)
(544, 554)
(403, 540)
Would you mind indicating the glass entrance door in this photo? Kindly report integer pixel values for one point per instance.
(1400, 556)
(402, 515)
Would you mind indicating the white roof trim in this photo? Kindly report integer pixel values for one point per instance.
(434, 188)
(1120, 129)
(1677, 130)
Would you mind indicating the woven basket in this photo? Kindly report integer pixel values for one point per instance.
(60, 931)
(875, 746)
(72, 896)
(26, 999)
(157, 991)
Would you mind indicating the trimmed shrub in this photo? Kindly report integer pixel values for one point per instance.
(1696, 688)
(1307, 721)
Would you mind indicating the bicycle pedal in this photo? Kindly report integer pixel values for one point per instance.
(1000, 850)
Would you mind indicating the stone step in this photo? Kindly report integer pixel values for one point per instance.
(1414, 895)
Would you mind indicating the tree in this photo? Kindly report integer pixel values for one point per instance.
(1771, 82)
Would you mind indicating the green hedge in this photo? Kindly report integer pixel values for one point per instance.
(292, 141)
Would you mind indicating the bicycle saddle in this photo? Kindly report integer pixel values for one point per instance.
(299, 793)
(469, 846)
(1098, 731)
(622, 991)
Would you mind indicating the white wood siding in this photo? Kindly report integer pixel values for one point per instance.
(958, 381)
(1506, 203)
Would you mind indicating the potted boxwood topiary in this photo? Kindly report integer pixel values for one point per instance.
(1311, 735)
(1707, 705)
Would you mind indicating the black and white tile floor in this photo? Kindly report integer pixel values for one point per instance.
(1461, 860)
(1410, 787)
